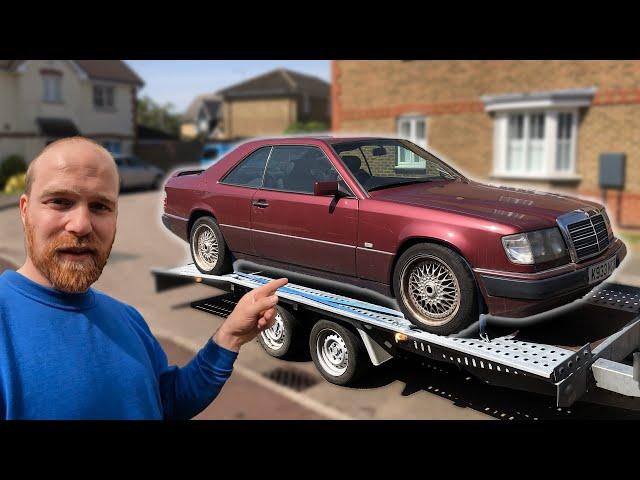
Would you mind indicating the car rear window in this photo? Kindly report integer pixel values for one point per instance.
(249, 172)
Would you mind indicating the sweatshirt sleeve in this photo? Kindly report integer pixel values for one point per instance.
(187, 391)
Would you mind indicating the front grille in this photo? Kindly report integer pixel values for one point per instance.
(589, 237)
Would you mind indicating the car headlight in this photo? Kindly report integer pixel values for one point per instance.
(535, 247)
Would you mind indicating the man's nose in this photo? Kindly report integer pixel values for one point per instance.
(79, 222)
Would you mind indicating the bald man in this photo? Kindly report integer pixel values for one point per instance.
(68, 351)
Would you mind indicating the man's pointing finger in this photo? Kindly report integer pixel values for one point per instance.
(269, 288)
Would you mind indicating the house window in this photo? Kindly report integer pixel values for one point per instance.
(564, 142)
(114, 146)
(103, 96)
(52, 87)
(526, 143)
(203, 121)
(414, 129)
(535, 143)
(535, 133)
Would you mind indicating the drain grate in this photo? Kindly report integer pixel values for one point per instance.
(221, 305)
(291, 378)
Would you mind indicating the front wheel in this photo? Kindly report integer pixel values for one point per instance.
(286, 338)
(208, 248)
(435, 289)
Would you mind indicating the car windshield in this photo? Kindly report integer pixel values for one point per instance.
(386, 163)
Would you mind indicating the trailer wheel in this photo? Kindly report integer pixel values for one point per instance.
(285, 339)
(338, 353)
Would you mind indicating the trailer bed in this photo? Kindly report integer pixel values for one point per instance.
(588, 348)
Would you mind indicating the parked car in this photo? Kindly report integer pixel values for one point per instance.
(134, 173)
(390, 216)
(214, 151)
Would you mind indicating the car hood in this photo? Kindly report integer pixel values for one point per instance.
(527, 209)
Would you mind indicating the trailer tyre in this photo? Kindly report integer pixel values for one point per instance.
(339, 355)
(208, 248)
(286, 338)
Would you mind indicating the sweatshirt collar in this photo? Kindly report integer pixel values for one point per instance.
(49, 296)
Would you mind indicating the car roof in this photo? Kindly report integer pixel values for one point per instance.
(314, 139)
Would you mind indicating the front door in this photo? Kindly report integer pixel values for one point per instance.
(290, 224)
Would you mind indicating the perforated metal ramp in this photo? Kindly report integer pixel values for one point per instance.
(504, 354)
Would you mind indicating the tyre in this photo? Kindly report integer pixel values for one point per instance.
(286, 338)
(434, 289)
(208, 248)
(339, 355)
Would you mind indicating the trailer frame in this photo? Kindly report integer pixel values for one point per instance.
(568, 374)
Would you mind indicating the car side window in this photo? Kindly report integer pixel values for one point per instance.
(249, 172)
(296, 169)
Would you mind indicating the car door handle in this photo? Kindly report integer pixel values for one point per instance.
(260, 203)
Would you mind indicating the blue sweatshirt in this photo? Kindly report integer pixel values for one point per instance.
(89, 356)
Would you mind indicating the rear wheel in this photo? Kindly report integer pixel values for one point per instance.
(208, 248)
(435, 289)
(339, 355)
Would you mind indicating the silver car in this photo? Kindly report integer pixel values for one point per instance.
(134, 173)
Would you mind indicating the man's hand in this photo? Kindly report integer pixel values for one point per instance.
(254, 313)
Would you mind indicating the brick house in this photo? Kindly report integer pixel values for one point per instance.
(264, 105)
(540, 124)
(43, 100)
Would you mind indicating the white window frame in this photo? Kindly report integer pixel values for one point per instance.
(412, 119)
(549, 170)
(51, 88)
(103, 91)
(551, 103)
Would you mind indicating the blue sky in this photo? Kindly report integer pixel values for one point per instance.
(179, 81)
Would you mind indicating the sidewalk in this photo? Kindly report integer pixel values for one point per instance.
(8, 201)
(242, 398)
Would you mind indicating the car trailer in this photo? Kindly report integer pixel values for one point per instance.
(346, 336)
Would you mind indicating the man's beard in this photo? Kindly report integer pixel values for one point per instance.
(67, 275)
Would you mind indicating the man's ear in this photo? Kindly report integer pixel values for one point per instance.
(24, 200)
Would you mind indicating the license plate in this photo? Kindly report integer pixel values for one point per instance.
(601, 270)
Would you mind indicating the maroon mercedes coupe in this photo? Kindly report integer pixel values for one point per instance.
(387, 215)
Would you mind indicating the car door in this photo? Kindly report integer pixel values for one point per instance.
(290, 224)
(231, 202)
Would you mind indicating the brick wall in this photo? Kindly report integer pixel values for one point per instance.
(250, 118)
(368, 97)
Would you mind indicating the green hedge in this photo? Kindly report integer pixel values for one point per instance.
(306, 127)
(10, 166)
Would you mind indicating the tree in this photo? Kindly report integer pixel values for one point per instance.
(153, 115)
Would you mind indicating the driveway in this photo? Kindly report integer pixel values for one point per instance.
(398, 391)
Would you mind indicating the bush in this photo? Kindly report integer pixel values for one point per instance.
(15, 183)
(306, 127)
(10, 166)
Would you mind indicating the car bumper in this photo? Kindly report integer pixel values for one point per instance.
(525, 294)
(177, 225)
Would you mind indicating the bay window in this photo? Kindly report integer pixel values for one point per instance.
(535, 135)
